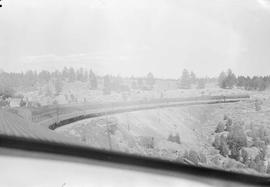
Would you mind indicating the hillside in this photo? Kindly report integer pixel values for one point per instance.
(147, 132)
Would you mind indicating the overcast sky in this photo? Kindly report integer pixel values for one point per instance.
(133, 37)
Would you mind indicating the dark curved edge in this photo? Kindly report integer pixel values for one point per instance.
(132, 109)
(130, 160)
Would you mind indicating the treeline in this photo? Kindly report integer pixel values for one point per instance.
(31, 78)
(119, 84)
(188, 79)
(229, 80)
(9, 82)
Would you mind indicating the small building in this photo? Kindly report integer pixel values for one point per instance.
(14, 102)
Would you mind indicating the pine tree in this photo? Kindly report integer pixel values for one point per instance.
(93, 80)
(107, 85)
(58, 86)
(230, 81)
(71, 75)
(193, 78)
(65, 73)
(150, 80)
(221, 80)
(185, 80)
(201, 84)
(236, 140)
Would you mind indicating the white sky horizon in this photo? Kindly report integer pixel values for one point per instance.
(128, 37)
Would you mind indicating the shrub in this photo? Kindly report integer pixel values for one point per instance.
(229, 164)
(249, 126)
(216, 160)
(223, 138)
(220, 127)
(217, 142)
(6, 92)
(55, 102)
(235, 153)
(245, 156)
(186, 154)
(258, 105)
(220, 143)
(174, 138)
(83, 139)
(267, 132)
(250, 133)
(228, 124)
(258, 143)
(193, 157)
(224, 149)
(268, 168)
(181, 159)
(4, 103)
(261, 132)
(232, 164)
(260, 167)
(22, 103)
(263, 152)
(184, 157)
(267, 140)
(201, 84)
(112, 128)
(236, 140)
(202, 158)
(249, 154)
(106, 91)
(257, 159)
(147, 142)
(252, 165)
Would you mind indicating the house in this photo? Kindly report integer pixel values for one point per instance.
(14, 102)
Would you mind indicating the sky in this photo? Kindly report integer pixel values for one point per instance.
(134, 37)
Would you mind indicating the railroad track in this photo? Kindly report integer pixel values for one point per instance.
(14, 125)
(64, 119)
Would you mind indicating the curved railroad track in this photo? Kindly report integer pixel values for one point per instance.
(85, 111)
